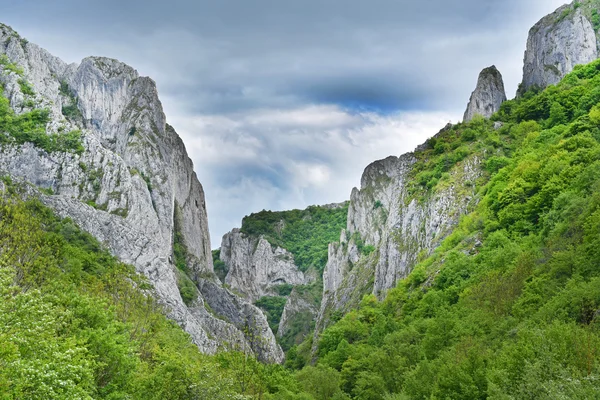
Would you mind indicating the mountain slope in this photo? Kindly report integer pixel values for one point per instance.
(508, 305)
(75, 323)
(129, 182)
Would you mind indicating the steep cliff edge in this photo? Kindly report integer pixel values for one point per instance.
(129, 183)
(559, 42)
(255, 268)
(276, 259)
(488, 96)
(405, 208)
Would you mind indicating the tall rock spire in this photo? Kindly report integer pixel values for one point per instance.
(488, 96)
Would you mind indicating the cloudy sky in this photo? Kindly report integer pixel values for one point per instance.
(282, 103)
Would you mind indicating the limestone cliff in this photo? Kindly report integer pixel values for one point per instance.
(559, 42)
(255, 267)
(488, 96)
(389, 229)
(130, 182)
(253, 263)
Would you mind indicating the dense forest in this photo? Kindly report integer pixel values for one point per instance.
(507, 308)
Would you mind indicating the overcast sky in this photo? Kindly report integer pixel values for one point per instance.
(282, 104)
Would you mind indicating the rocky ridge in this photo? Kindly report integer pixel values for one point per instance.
(129, 183)
(389, 230)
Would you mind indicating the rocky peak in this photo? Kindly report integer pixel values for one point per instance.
(557, 43)
(132, 185)
(488, 96)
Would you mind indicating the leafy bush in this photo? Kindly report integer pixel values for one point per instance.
(26, 88)
(220, 267)
(284, 289)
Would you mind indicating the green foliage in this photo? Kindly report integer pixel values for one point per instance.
(304, 233)
(284, 289)
(9, 66)
(273, 307)
(595, 20)
(321, 382)
(187, 287)
(64, 88)
(147, 180)
(299, 325)
(75, 323)
(26, 87)
(507, 306)
(361, 246)
(449, 148)
(31, 127)
(220, 267)
(180, 252)
(70, 110)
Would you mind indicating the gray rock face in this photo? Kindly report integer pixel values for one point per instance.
(556, 44)
(488, 95)
(246, 318)
(297, 309)
(255, 267)
(134, 169)
(398, 227)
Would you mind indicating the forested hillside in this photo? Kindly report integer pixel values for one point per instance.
(75, 323)
(509, 306)
(304, 233)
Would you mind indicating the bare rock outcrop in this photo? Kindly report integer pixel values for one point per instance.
(488, 96)
(255, 267)
(557, 43)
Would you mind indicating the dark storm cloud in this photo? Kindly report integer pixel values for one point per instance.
(283, 103)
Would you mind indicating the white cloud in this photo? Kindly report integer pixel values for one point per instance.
(281, 159)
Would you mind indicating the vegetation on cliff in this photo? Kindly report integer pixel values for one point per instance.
(304, 233)
(509, 306)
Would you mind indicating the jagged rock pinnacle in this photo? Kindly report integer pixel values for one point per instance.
(488, 96)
